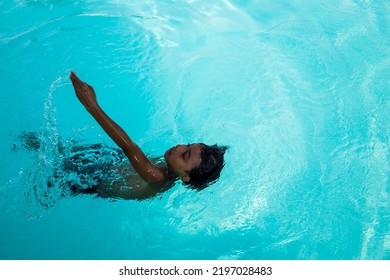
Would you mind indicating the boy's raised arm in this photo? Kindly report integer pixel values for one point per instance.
(148, 171)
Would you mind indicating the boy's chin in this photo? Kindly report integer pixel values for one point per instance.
(166, 155)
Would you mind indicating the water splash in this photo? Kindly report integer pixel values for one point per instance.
(44, 186)
(60, 164)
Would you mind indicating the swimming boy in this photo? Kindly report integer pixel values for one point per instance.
(195, 164)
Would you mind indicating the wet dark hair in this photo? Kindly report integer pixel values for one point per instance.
(209, 169)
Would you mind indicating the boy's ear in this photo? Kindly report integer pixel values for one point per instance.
(185, 177)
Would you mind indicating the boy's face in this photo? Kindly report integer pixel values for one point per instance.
(181, 159)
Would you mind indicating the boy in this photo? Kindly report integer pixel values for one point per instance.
(195, 164)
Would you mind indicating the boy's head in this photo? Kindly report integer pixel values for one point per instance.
(196, 164)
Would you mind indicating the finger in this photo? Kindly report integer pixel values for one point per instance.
(76, 81)
(89, 86)
(72, 75)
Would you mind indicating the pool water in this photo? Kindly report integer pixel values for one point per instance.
(298, 90)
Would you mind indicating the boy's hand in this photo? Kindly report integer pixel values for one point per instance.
(84, 92)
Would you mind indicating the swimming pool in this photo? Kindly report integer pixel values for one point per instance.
(298, 91)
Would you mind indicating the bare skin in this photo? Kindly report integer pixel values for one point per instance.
(149, 179)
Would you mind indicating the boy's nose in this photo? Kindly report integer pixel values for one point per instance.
(179, 147)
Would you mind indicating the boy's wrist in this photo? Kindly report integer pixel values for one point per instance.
(93, 108)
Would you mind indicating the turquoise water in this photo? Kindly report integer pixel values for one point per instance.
(299, 90)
